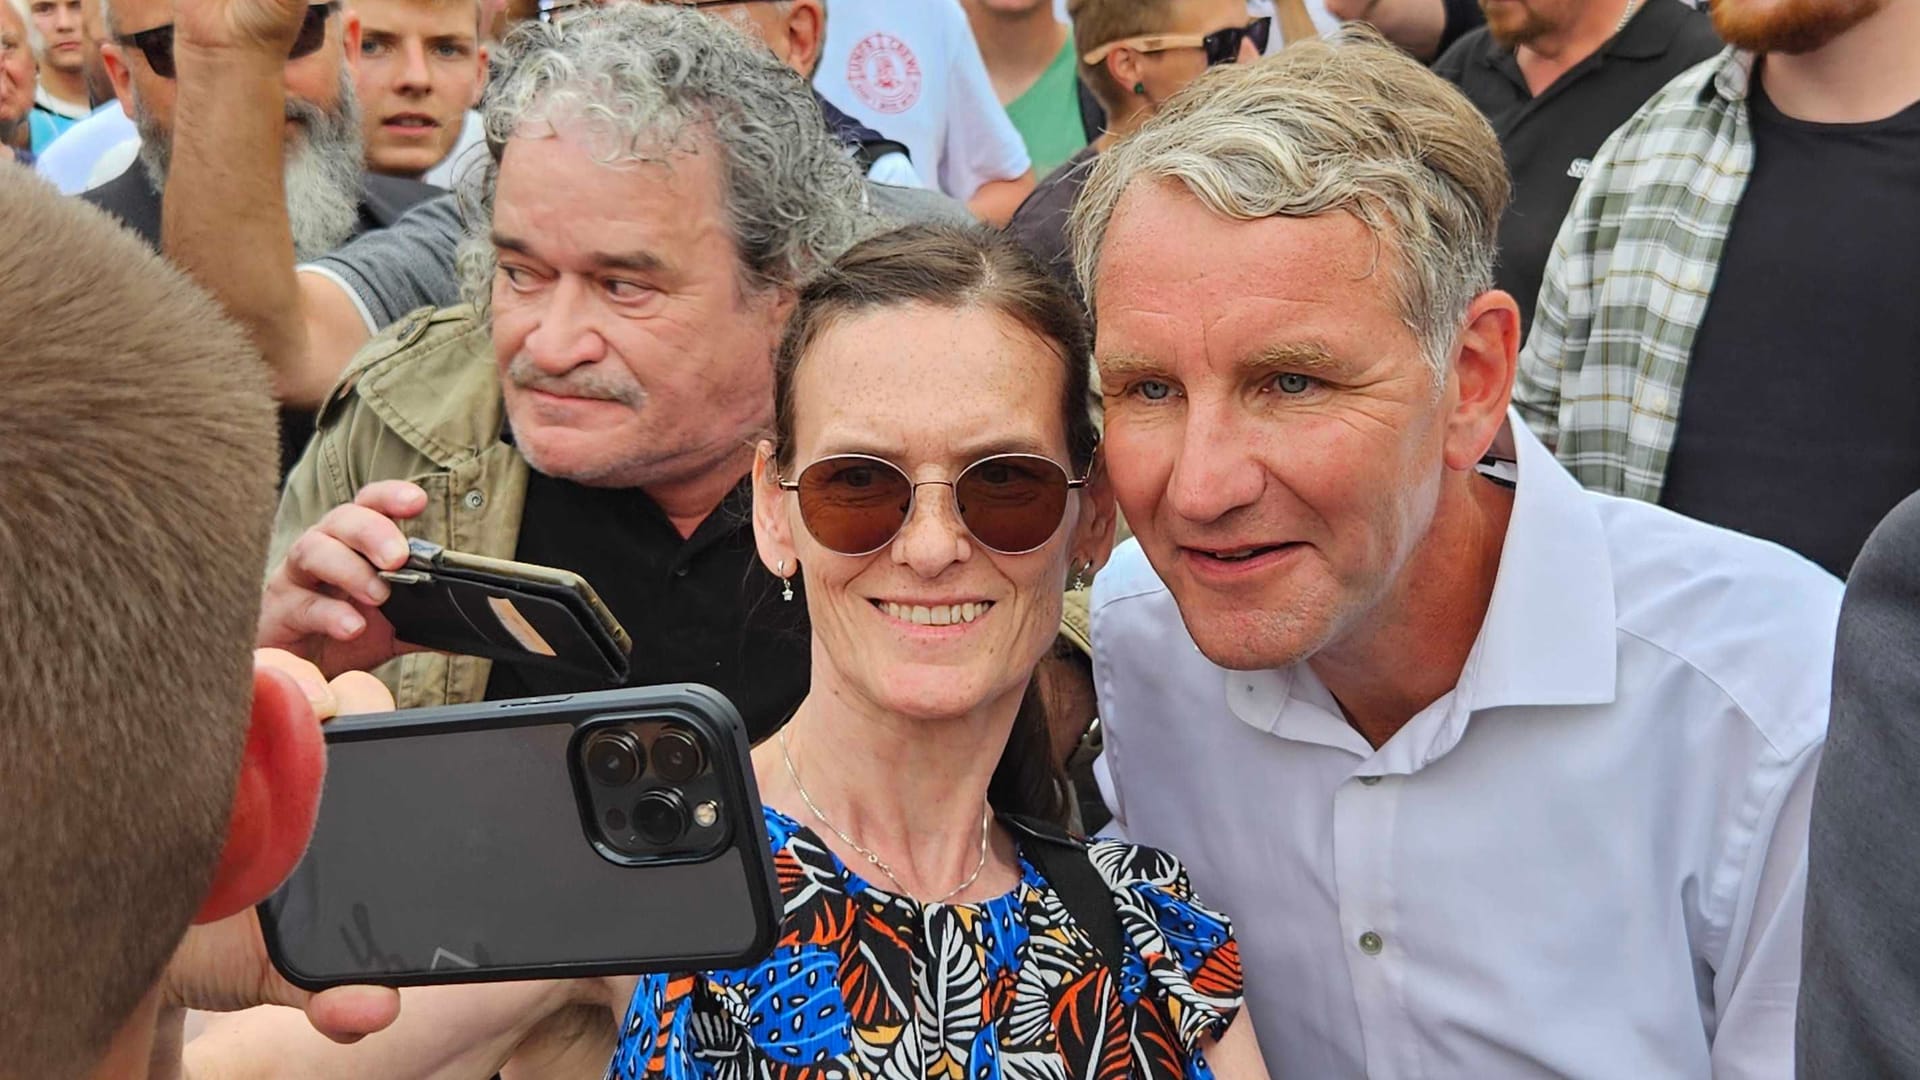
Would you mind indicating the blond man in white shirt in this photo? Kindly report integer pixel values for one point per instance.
(1498, 778)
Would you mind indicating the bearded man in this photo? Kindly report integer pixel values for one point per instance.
(331, 198)
(1555, 78)
(1746, 242)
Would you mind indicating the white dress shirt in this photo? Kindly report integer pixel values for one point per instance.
(1588, 859)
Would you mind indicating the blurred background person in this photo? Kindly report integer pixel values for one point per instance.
(1726, 323)
(1029, 56)
(1424, 28)
(1134, 54)
(328, 193)
(55, 31)
(18, 73)
(419, 71)
(100, 146)
(1555, 78)
(913, 71)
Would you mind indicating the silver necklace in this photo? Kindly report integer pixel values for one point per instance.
(1632, 6)
(986, 833)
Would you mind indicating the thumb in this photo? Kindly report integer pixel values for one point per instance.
(348, 1014)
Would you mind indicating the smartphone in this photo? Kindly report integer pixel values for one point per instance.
(606, 833)
(503, 610)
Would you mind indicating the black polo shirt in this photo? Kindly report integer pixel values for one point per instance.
(1549, 140)
(699, 609)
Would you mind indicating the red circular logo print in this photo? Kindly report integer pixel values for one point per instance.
(885, 74)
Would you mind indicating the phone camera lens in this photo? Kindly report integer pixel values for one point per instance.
(614, 758)
(660, 817)
(616, 819)
(677, 757)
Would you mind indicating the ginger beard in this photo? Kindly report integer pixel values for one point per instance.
(1788, 26)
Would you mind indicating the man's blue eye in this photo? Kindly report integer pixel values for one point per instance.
(1155, 391)
(1291, 383)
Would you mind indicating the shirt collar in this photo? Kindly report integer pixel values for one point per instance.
(1549, 633)
(1650, 32)
(1732, 75)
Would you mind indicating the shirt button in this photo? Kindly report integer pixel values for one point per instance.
(475, 499)
(1371, 943)
(1369, 780)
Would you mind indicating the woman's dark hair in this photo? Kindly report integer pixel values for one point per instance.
(958, 267)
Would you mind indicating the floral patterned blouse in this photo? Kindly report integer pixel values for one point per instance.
(863, 983)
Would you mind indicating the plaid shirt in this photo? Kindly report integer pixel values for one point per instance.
(1628, 282)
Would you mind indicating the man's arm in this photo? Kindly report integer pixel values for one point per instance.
(224, 217)
(1859, 1000)
(1415, 25)
(995, 201)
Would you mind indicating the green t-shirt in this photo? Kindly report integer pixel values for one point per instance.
(1048, 114)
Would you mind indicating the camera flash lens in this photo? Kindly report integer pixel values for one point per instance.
(706, 814)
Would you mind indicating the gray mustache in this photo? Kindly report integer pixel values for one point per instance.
(588, 383)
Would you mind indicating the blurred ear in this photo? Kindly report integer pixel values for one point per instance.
(1099, 519)
(1482, 377)
(350, 38)
(480, 84)
(275, 801)
(806, 36)
(772, 529)
(113, 56)
(1124, 65)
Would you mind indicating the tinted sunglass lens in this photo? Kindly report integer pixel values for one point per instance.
(853, 505)
(1260, 31)
(1222, 46)
(157, 46)
(1012, 504)
(313, 32)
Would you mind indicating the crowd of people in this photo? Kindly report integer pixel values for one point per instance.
(1442, 698)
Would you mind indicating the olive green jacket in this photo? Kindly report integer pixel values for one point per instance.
(420, 402)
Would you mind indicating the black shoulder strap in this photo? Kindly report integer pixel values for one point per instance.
(1062, 859)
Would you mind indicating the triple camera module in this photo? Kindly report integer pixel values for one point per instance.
(651, 791)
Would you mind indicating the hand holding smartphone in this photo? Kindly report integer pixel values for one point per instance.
(592, 834)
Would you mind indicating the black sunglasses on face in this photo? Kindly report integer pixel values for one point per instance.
(1220, 47)
(157, 44)
(1223, 46)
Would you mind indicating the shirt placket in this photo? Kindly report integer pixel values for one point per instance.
(1365, 818)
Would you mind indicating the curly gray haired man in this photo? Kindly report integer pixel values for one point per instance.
(661, 184)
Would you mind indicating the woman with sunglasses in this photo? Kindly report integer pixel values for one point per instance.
(933, 480)
(1136, 54)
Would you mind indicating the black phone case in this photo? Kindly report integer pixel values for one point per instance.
(451, 848)
(455, 611)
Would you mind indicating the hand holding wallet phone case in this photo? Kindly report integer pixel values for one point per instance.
(507, 611)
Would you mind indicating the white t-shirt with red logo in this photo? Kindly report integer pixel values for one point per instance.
(910, 70)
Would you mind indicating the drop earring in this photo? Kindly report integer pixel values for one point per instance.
(786, 581)
(1079, 577)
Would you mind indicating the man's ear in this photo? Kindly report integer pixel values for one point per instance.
(806, 36)
(480, 84)
(1483, 369)
(350, 39)
(115, 61)
(275, 801)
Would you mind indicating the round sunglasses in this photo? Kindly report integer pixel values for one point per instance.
(855, 504)
(1220, 47)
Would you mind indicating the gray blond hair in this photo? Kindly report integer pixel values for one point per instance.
(1348, 124)
(651, 82)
